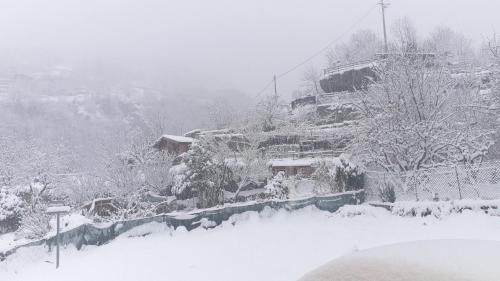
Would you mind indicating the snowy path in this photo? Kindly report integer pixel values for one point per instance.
(279, 246)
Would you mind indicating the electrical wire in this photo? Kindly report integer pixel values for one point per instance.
(322, 50)
(329, 43)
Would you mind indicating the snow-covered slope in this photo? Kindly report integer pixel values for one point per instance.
(267, 246)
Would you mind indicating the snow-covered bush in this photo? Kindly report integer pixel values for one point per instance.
(349, 211)
(348, 175)
(387, 192)
(181, 185)
(11, 209)
(324, 178)
(340, 175)
(277, 188)
(35, 224)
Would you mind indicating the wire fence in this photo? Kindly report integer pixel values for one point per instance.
(470, 181)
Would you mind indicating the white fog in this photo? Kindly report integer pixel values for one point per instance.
(200, 137)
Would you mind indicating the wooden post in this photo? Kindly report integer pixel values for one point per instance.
(275, 87)
(58, 210)
(57, 240)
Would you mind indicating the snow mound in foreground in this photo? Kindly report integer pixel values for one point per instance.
(349, 211)
(443, 260)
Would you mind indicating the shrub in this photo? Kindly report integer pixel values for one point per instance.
(387, 192)
(348, 176)
(324, 178)
(35, 224)
(11, 209)
(276, 188)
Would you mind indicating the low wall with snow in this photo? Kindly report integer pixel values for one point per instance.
(89, 234)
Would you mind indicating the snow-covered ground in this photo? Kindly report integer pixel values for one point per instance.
(443, 260)
(267, 246)
(68, 222)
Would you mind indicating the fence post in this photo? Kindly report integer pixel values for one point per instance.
(57, 210)
(57, 240)
(458, 184)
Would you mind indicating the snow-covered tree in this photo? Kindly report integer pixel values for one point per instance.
(208, 176)
(419, 116)
(310, 82)
(405, 38)
(204, 175)
(249, 163)
(271, 111)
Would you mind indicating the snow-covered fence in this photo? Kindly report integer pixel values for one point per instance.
(477, 181)
(306, 154)
(349, 66)
(89, 234)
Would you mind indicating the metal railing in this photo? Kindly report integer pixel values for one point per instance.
(347, 66)
(305, 154)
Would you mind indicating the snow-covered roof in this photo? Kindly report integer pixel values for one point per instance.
(179, 139)
(58, 209)
(344, 68)
(290, 162)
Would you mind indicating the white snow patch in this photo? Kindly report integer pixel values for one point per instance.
(179, 139)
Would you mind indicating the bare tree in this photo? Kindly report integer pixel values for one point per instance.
(270, 112)
(250, 164)
(445, 41)
(405, 36)
(221, 114)
(492, 45)
(310, 82)
(364, 44)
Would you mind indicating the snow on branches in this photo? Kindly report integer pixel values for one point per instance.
(417, 116)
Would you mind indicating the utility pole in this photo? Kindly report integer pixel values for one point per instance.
(275, 88)
(384, 6)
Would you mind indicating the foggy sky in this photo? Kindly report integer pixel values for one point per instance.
(223, 43)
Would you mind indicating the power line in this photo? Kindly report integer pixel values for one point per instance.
(265, 87)
(319, 52)
(329, 43)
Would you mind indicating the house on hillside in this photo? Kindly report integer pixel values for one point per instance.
(173, 144)
(349, 77)
(303, 167)
(303, 101)
(360, 75)
(235, 141)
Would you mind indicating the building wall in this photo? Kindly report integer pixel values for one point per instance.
(304, 171)
(174, 147)
(350, 80)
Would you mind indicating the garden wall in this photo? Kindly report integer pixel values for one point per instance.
(89, 234)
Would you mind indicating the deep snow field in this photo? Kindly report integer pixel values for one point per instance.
(272, 245)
